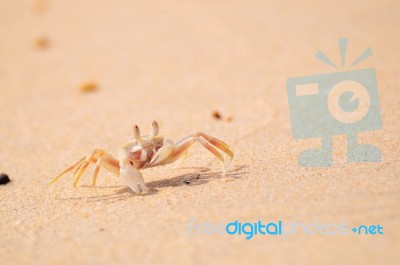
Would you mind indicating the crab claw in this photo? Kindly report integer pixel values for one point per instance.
(133, 178)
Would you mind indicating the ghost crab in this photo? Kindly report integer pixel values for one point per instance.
(145, 152)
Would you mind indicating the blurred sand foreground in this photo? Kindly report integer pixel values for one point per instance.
(176, 62)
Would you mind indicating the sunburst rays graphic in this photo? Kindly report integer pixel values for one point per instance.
(343, 49)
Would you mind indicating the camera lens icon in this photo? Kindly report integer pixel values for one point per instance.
(329, 104)
(348, 102)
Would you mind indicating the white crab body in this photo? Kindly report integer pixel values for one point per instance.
(144, 152)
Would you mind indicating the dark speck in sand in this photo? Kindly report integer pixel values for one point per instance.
(4, 179)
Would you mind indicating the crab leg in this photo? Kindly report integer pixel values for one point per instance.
(96, 171)
(212, 140)
(109, 163)
(182, 147)
(211, 149)
(218, 143)
(99, 157)
(84, 166)
(77, 164)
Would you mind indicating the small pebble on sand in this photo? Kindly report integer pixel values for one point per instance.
(42, 43)
(216, 115)
(4, 179)
(88, 87)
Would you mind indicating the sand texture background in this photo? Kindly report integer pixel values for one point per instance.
(176, 62)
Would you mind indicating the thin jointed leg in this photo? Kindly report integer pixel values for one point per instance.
(98, 157)
(209, 142)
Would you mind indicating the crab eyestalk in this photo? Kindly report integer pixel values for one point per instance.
(154, 130)
(136, 132)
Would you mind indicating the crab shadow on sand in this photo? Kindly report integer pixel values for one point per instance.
(197, 176)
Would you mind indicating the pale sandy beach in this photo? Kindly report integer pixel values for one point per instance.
(177, 62)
